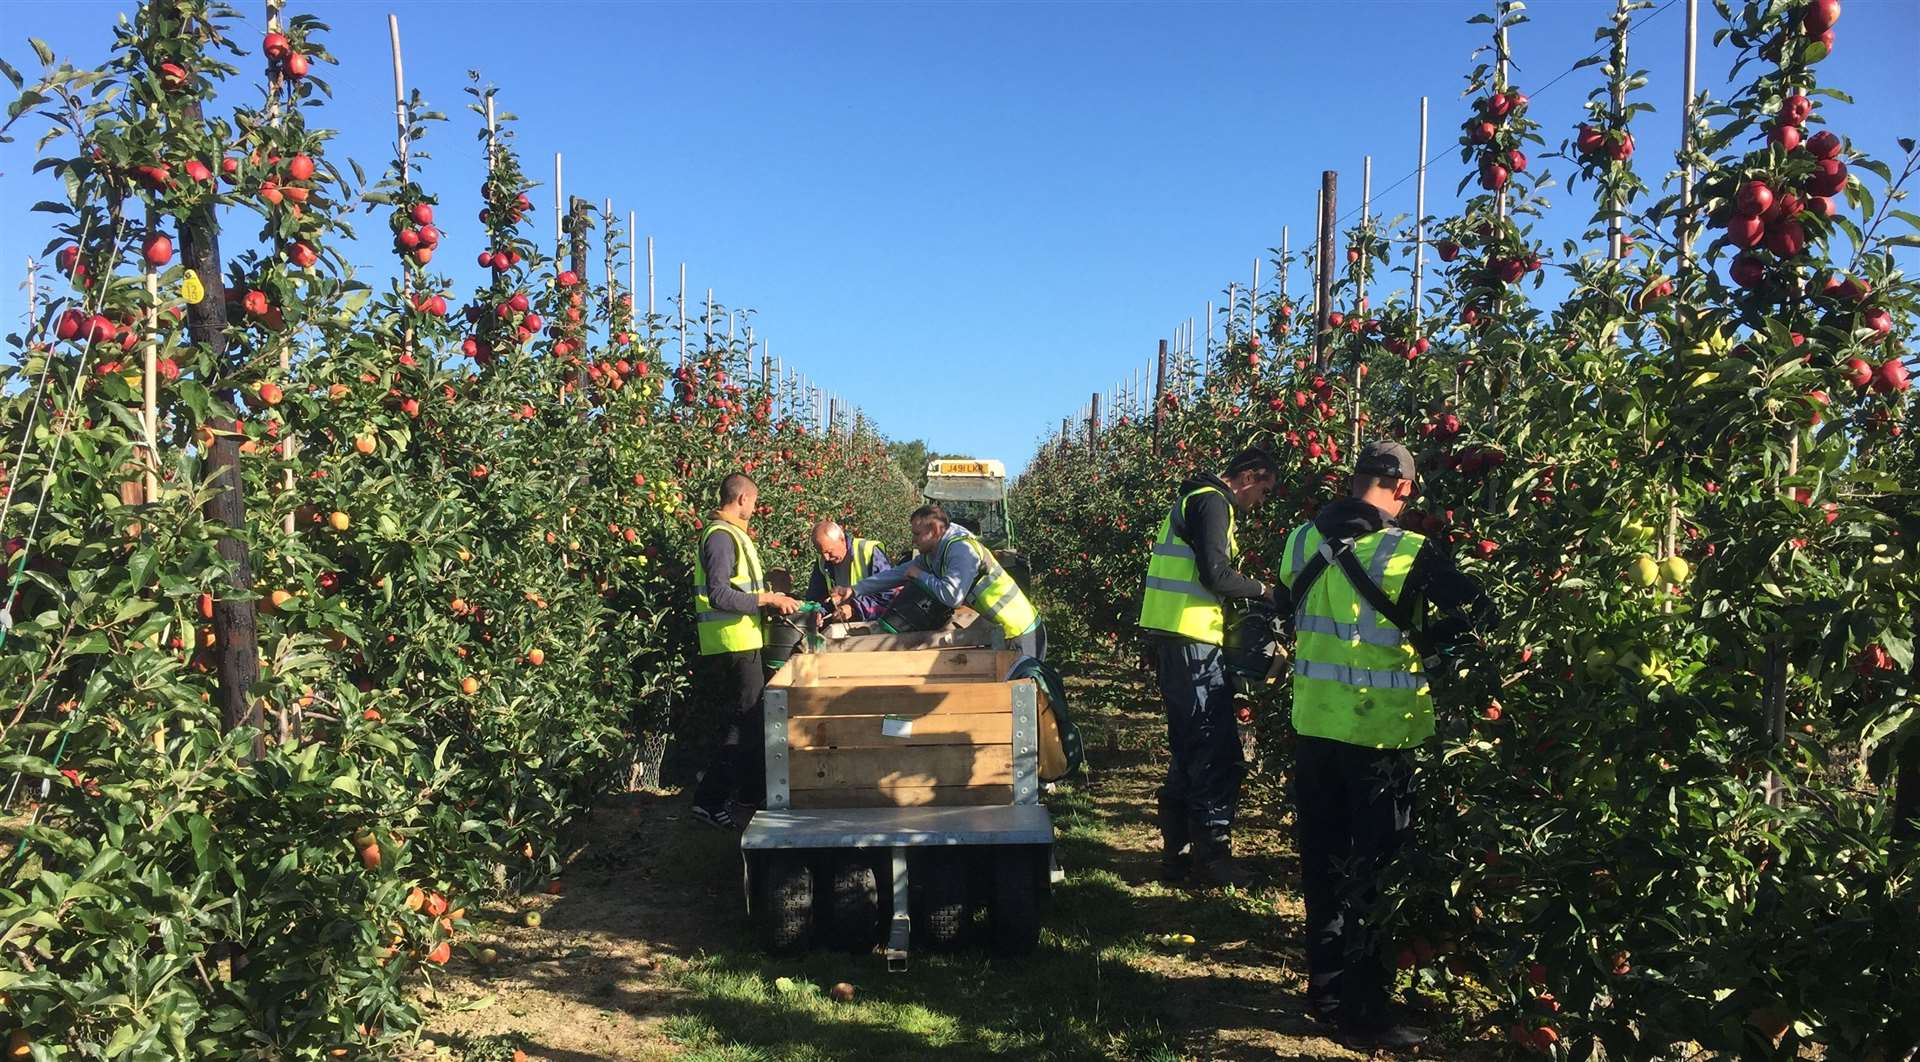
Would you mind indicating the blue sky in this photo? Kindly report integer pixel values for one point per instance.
(1032, 193)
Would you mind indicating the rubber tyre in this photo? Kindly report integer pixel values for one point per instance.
(786, 903)
(945, 913)
(1014, 913)
(856, 904)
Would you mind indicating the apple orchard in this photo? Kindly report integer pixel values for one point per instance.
(468, 517)
(1667, 800)
(1673, 799)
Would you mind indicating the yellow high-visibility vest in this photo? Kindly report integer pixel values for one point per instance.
(1175, 602)
(730, 632)
(1357, 678)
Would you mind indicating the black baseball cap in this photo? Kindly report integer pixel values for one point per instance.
(1388, 460)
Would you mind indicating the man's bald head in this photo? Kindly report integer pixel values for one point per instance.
(831, 540)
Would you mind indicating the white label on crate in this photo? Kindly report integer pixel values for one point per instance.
(896, 726)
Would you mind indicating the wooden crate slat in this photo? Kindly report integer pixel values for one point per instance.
(867, 731)
(951, 698)
(909, 666)
(925, 765)
(909, 796)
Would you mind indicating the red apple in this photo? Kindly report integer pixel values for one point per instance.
(1622, 149)
(1796, 109)
(297, 66)
(1480, 132)
(1829, 177)
(1787, 239)
(197, 170)
(302, 255)
(1820, 16)
(1824, 145)
(1859, 373)
(1879, 321)
(300, 167)
(1448, 250)
(1747, 271)
(1891, 376)
(1518, 160)
(1493, 177)
(70, 325)
(1753, 198)
(157, 250)
(1785, 137)
(1745, 230)
(408, 239)
(422, 214)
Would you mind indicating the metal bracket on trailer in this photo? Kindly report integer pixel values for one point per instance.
(1026, 743)
(900, 929)
(774, 730)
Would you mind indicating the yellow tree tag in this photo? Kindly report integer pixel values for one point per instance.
(191, 289)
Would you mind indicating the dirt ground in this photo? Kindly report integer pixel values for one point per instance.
(648, 954)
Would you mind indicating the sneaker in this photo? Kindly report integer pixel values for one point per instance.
(719, 818)
(1389, 1035)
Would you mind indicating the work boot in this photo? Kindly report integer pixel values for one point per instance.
(1390, 1035)
(1214, 863)
(1176, 847)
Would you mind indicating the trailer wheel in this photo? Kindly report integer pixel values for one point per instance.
(856, 903)
(786, 902)
(945, 890)
(1015, 910)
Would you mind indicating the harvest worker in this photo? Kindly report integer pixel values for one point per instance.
(730, 588)
(1359, 589)
(845, 560)
(958, 569)
(1190, 576)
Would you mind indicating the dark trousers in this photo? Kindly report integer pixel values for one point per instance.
(1353, 808)
(1202, 790)
(737, 768)
(1033, 643)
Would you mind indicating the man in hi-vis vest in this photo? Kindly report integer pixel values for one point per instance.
(1358, 589)
(1190, 577)
(958, 569)
(729, 589)
(845, 560)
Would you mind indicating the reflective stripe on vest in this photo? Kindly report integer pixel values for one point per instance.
(1175, 601)
(1356, 677)
(729, 632)
(994, 594)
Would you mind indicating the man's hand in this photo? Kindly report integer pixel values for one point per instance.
(840, 595)
(843, 613)
(781, 603)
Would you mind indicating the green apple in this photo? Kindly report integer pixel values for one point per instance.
(1643, 571)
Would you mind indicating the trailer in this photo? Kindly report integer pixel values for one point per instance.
(903, 802)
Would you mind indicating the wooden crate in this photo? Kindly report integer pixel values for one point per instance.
(899, 729)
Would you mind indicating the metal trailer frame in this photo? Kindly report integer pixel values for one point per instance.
(779, 826)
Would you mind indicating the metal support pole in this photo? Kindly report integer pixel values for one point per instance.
(1420, 220)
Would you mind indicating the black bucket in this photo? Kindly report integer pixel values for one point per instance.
(914, 609)
(786, 636)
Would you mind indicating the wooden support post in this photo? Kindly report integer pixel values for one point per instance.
(235, 623)
(1500, 84)
(1093, 418)
(1233, 308)
(1323, 289)
(633, 268)
(577, 222)
(559, 214)
(606, 241)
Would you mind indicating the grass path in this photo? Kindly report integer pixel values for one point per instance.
(648, 953)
